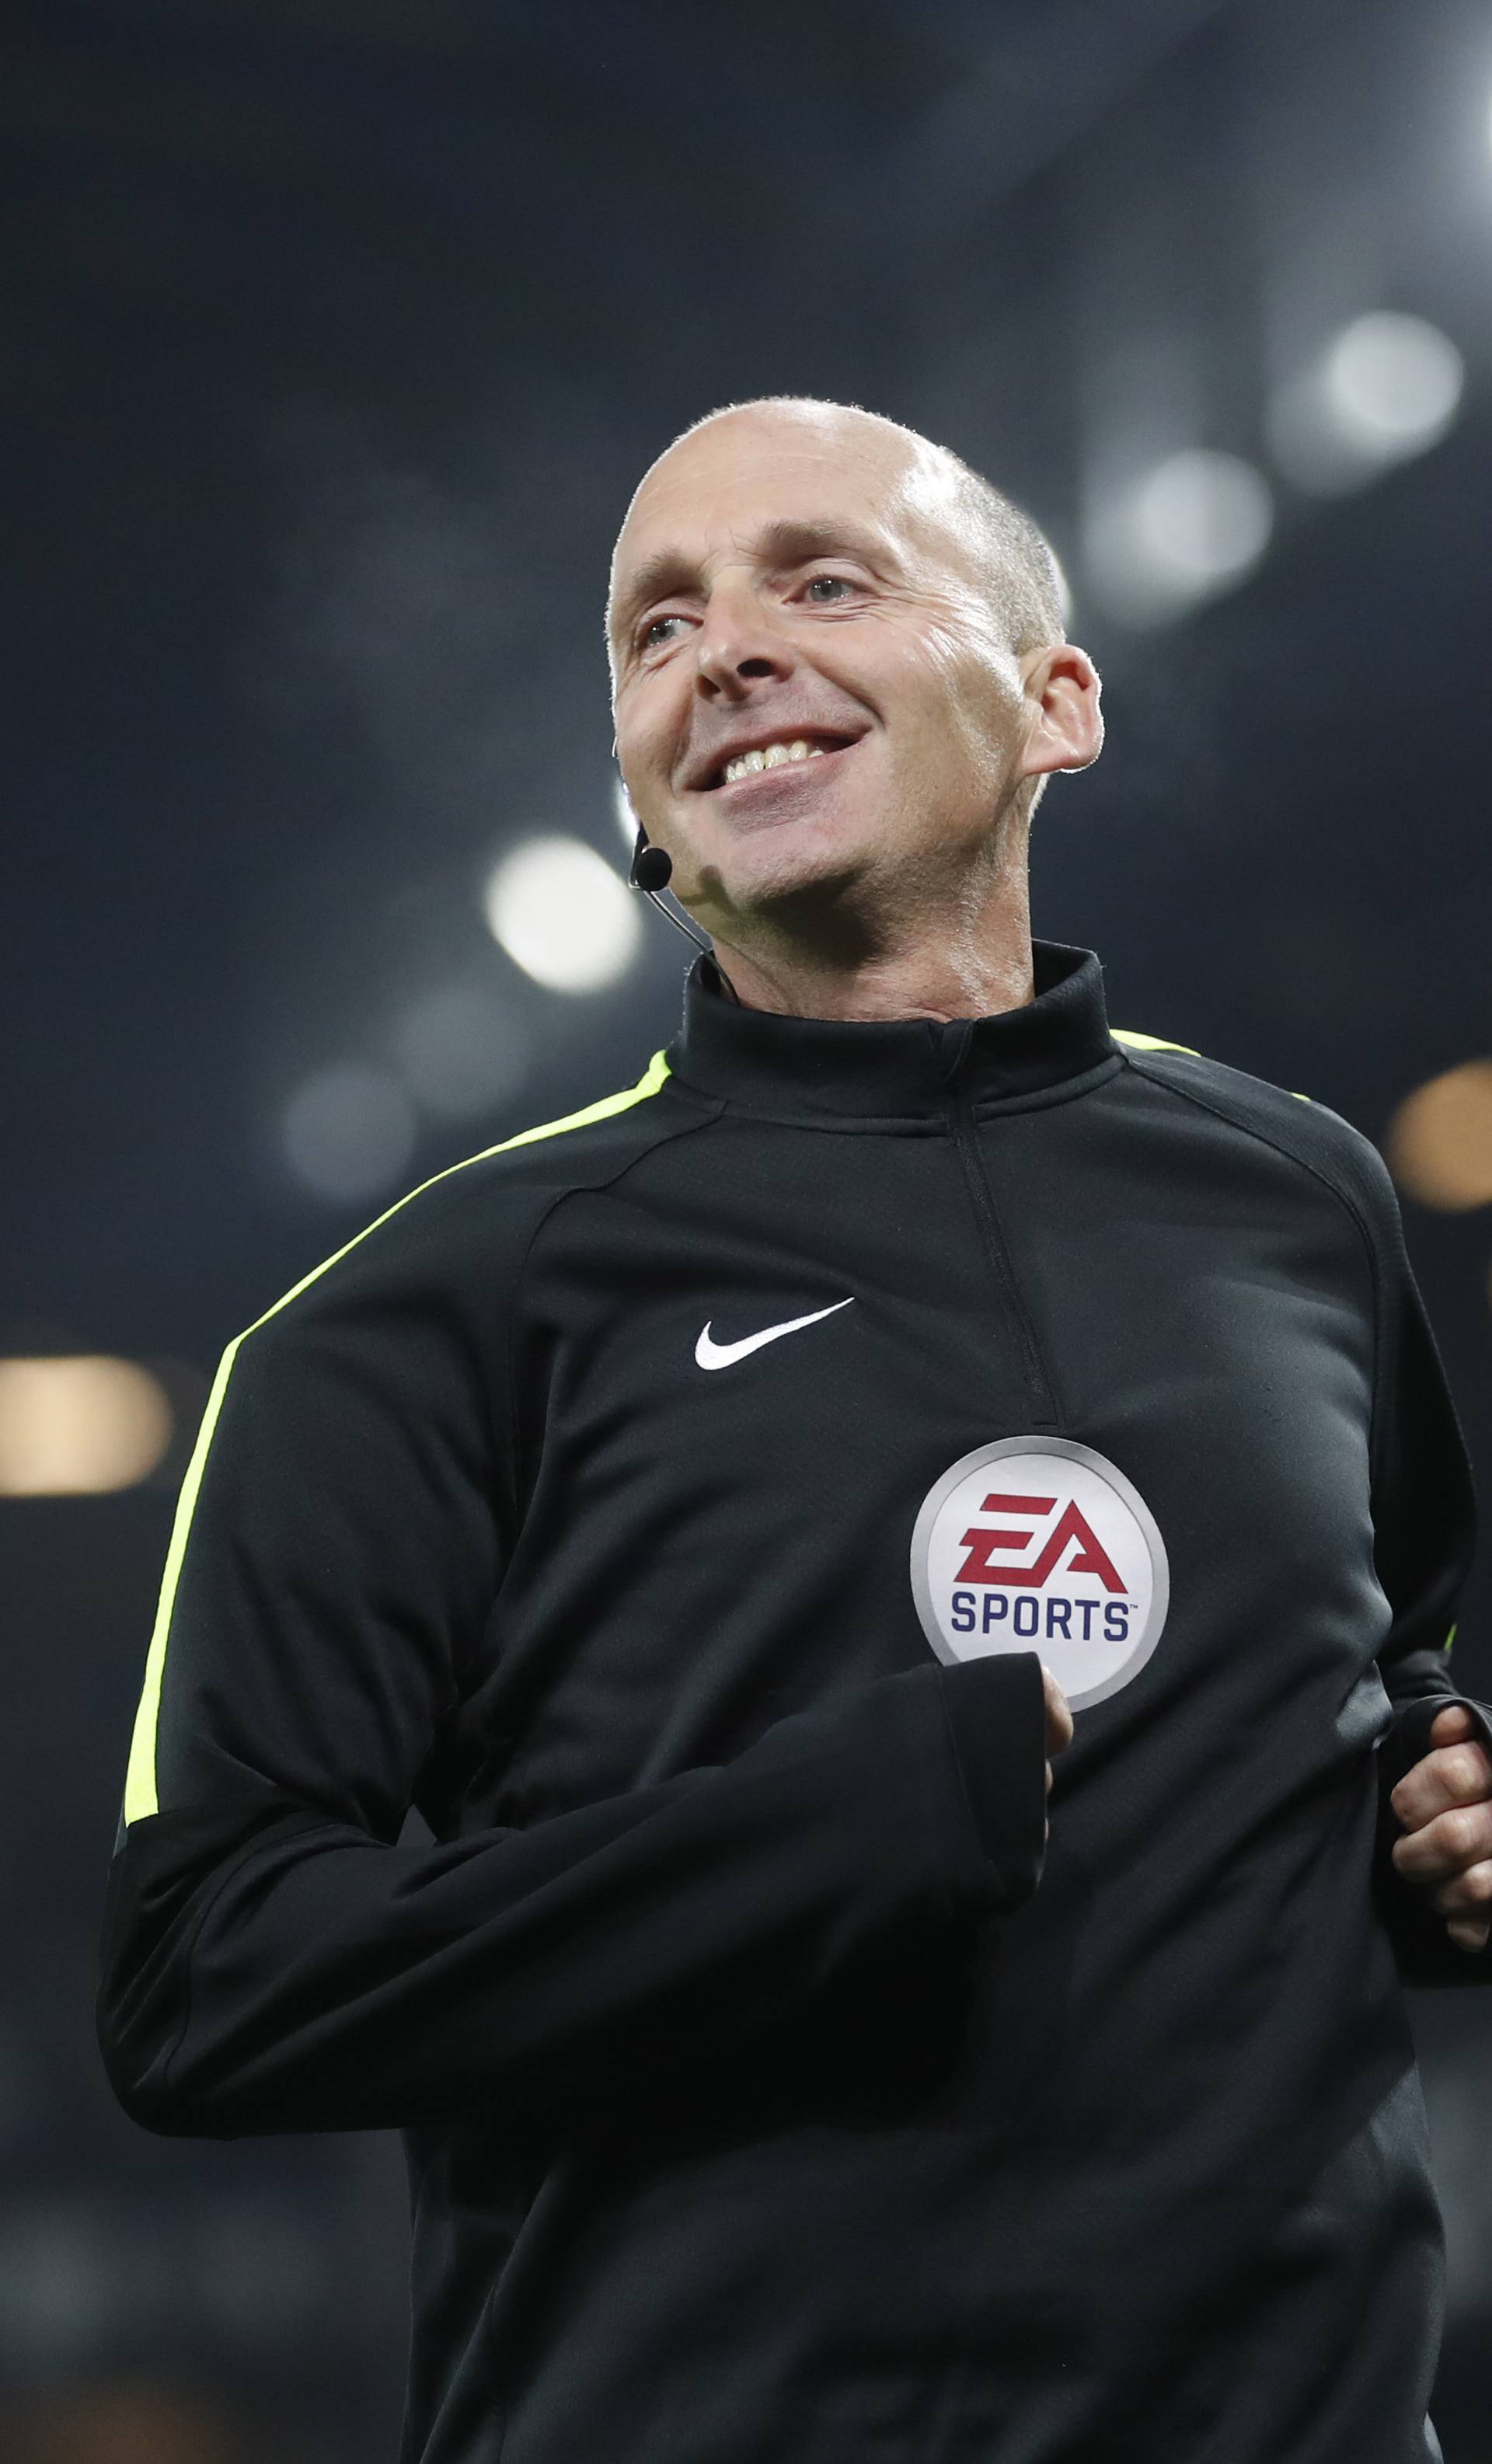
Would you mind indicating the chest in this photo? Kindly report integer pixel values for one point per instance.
(740, 1385)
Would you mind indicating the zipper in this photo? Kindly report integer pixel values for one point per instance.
(992, 1241)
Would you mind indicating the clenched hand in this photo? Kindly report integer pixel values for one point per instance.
(1059, 1719)
(1444, 1803)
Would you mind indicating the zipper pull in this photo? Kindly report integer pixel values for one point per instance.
(955, 1037)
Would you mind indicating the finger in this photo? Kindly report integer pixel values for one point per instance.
(1467, 1935)
(1469, 1895)
(1446, 1847)
(1450, 1726)
(1459, 1775)
(1059, 1717)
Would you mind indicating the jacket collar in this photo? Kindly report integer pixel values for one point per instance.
(901, 1068)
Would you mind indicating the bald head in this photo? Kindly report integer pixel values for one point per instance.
(1008, 557)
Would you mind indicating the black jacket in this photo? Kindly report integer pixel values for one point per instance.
(761, 2107)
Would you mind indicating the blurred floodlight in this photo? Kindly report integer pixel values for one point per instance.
(1439, 1141)
(1395, 383)
(564, 915)
(1192, 526)
(1387, 389)
(79, 1426)
(349, 1130)
(1202, 518)
(461, 1050)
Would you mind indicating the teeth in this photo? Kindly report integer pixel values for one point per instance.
(771, 757)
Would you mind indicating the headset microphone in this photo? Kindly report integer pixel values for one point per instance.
(651, 870)
(652, 866)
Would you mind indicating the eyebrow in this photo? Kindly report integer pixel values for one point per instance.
(669, 573)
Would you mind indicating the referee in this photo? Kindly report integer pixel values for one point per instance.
(722, 1512)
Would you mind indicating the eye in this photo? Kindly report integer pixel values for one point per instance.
(655, 635)
(825, 589)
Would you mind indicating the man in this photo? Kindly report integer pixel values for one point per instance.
(706, 1509)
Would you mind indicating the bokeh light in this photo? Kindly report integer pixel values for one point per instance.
(349, 1130)
(79, 1426)
(1388, 388)
(1202, 519)
(1439, 1141)
(1395, 383)
(564, 915)
(1189, 527)
(461, 1050)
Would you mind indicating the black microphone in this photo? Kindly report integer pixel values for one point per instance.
(652, 869)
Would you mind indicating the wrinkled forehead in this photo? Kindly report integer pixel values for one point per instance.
(720, 487)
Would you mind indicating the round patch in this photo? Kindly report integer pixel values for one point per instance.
(1035, 1544)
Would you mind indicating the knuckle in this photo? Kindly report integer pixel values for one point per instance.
(1461, 1832)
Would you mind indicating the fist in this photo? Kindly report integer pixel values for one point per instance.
(1445, 1804)
(1059, 1719)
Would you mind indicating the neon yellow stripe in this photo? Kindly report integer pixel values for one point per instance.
(139, 1782)
(1449, 1640)
(1150, 1043)
(1158, 1043)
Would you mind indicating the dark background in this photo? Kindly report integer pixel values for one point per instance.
(336, 335)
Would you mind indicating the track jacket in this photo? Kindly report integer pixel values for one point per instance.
(675, 1505)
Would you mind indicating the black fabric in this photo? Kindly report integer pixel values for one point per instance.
(898, 1068)
(772, 2093)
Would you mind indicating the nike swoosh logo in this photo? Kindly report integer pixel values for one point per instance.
(721, 1356)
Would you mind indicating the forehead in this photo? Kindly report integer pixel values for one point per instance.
(713, 492)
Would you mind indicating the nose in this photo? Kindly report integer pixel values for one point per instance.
(739, 645)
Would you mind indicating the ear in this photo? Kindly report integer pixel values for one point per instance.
(1066, 726)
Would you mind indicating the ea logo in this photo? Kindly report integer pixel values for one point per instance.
(1036, 1544)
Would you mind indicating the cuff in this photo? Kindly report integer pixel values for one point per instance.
(997, 1715)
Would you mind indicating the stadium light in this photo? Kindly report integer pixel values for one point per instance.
(348, 1131)
(460, 1050)
(563, 915)
(1439, 1141)
(79, 1426)
(1386, 389)
(1190, 528)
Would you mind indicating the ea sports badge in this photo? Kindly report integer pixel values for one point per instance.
(1036, 1544)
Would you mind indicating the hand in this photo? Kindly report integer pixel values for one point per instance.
(1445, 1805)
(1059, 1719)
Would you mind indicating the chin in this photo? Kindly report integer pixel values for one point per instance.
(789, 877)
(793, 861)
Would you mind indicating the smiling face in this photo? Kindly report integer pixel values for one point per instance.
(815, 696)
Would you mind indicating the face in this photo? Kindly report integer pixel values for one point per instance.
(811, 694)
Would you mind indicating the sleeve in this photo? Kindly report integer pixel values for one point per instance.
(1425, 1528)
(276, 1958)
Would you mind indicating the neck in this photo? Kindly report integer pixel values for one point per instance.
(966, 958)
